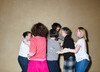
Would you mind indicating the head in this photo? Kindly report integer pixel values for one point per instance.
(53, 33)
(81, 33)
(66, 31)
(27, 35)
(56, 26)
(39, 29)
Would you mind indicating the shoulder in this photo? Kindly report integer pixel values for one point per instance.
(22, 44)
(33, 38)
(39, 38)
(48, 40)
(81, 41)
(69, 39)
(52, 41)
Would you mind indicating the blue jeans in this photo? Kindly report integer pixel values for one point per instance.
(53, 66)
(23, 62)
(69, 64)
(81, 66)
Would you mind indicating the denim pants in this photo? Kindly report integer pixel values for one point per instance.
(23, 62)
(81, 66)
(69, 64)
(53, 66)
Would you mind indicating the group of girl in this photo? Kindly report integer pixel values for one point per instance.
(40, 49)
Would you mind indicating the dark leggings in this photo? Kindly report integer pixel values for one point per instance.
(53, 66)
(23, 62)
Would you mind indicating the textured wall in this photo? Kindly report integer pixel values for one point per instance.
(17, 16)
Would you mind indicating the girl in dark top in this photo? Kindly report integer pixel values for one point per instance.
(69, 58)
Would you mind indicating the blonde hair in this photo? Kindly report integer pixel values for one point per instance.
(83, 32)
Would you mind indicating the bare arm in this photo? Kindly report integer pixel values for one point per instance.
(65, 50)
(74, 50)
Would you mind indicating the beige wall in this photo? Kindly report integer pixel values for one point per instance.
(17, 16)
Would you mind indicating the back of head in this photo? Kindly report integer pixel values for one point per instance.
(55, 25)
(53, 33)
(39, 29)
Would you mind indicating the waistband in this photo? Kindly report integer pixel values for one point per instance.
(37, 59)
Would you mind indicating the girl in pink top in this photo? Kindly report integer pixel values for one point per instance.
(37, 53)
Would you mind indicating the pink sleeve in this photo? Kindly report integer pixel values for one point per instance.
(32, 50)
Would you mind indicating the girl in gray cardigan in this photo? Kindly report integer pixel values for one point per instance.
(52, 47)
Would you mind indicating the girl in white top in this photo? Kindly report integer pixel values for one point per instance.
(24, 51)
(82, 58)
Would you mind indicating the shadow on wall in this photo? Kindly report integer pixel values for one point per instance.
(90, 63)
